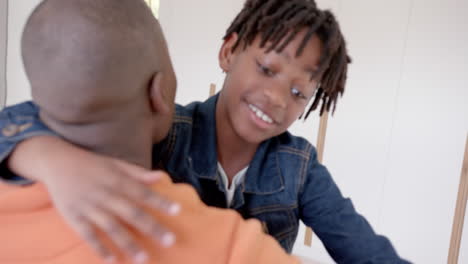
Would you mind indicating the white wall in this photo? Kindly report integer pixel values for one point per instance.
(395, 144)
(406, 113)
(194, 31)
(3, 46)
(430, 125)
(18, 88)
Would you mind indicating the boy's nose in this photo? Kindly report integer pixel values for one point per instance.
(276, 97)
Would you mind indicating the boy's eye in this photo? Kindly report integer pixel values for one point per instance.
(265, 70)
(297, 94)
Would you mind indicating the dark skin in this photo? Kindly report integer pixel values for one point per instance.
(108, 69)
(277, 84)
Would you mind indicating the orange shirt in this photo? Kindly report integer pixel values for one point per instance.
(32, 231)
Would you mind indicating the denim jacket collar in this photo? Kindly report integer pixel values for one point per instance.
(264, 174)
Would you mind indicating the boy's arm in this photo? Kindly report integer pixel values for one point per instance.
(89, 190)
(346, 235)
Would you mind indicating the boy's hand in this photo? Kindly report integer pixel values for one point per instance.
(96, 194)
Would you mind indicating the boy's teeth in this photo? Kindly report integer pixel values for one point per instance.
(260, 114)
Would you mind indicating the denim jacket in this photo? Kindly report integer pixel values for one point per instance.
(284, 183)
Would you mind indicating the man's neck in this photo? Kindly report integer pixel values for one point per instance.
(130, 141)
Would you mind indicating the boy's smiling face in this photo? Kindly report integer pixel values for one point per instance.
(264, 93)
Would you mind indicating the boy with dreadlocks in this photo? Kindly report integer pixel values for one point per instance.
(235, 149)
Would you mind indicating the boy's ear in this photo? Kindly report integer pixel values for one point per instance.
(226, 53)
(158, 99)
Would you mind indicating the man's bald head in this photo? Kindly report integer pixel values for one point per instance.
(101, 73)
(87, 57)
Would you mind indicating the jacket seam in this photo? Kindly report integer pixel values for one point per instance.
(271, 208)
(294, 152)
(304, 172)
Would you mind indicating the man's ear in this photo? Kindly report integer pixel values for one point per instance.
(158, 99)
(226, 53)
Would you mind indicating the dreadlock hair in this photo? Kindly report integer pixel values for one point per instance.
(279, 21)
